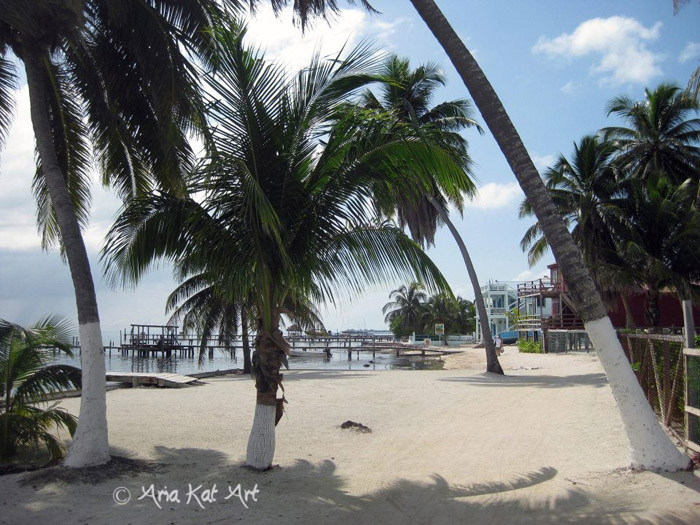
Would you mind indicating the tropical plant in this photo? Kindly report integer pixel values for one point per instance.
(404, 311)
(26, 379)
(408, 94)
(529, 347)
(109, 78)
(281, 203)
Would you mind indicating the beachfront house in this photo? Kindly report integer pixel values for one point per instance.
(499, 299)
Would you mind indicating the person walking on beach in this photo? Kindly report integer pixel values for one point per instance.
(498, 342)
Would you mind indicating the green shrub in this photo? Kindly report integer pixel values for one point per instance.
(529, 347)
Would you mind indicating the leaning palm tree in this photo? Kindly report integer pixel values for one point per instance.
(650, 447)
(282, 203)
(407, 94)
(28, 380)
(110, 78)
(405, 309)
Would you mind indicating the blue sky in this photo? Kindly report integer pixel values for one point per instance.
(554, 64)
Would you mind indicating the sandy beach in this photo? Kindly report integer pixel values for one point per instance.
(542, 445)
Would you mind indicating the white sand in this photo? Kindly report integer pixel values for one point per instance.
(542, 445)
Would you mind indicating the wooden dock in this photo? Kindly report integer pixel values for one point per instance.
(156, 379)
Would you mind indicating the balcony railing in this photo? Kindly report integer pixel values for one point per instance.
(554, 322)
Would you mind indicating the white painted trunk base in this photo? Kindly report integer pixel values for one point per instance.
(650, 446)
(90, 444)
(261, 444)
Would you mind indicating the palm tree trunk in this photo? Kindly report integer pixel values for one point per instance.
(650, 447)
(629, 318)
(492, 364)
(90, 444)
(688, 322)
(270, 348)
(651, 309)
(245, 335)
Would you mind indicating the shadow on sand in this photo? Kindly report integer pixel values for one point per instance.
(541, 381)
(308, 492)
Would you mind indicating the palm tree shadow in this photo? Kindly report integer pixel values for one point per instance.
(596, 380)
(315, 492)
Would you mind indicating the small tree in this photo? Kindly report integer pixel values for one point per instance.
(27, 379)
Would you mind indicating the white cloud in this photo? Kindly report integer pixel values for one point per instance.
(530, 275)
(493, 196)
(691, 51)
(620, 43)
(542, 162)
(569, 87)
(284, 42)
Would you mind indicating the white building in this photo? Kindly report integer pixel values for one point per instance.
(499, 298)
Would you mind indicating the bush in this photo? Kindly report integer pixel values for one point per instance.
(529, 347)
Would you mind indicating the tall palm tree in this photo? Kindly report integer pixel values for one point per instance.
(660, 239)
(26, 379)
(109, 77)
(407, 94)
(282, 203)
(662, 139)
(405, 309)
(663, 134)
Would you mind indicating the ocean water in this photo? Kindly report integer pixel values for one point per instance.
(222, 360)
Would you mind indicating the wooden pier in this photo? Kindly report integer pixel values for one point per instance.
(155, 379)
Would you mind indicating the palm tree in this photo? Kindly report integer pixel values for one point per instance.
(26, 379)
(407, 94)
(404, 311)
(660, 239)
(663, 139)
(281, 206)
(662, 136)
(441, 308)
(110, 78)
(589, 191)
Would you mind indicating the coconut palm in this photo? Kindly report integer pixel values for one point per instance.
(404, 311)
(660, 239)
(109, 78)
(663, 134)
(441, 308)
(26, 380)
(281, 207)
(407, 94)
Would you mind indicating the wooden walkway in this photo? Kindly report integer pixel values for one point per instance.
(163, 379)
